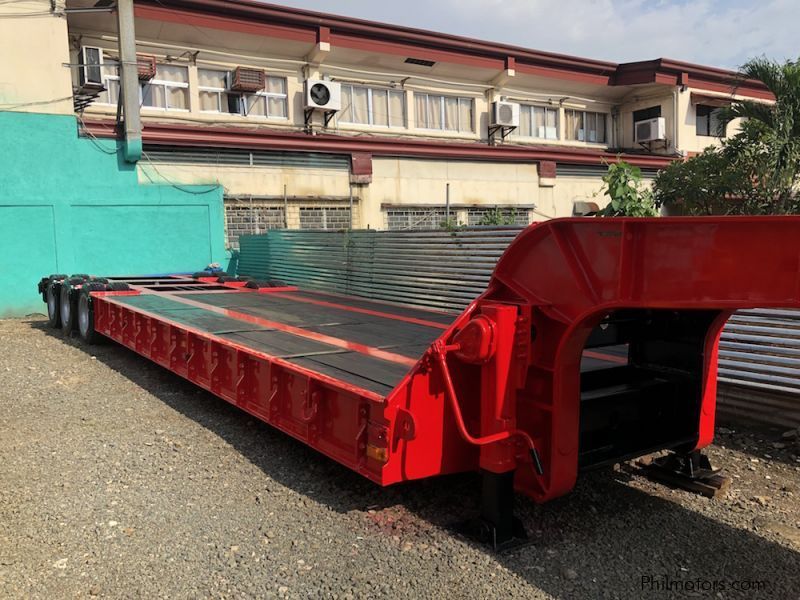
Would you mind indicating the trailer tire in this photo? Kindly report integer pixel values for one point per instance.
(85, 317)
(67, 304)
(118, 286)
(53, 298)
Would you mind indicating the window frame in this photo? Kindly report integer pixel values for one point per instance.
(585, 129)
(216, 90)
(264, 95)
(531, 108)
(370, 107)
(710, 132)
(442, 112)
(242, 98)
(166, 84)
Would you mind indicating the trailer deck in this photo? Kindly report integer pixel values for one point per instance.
(370, 345)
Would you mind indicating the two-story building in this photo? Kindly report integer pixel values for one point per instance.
(309, 120)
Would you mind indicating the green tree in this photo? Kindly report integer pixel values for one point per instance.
(628, 196)
(756, 171)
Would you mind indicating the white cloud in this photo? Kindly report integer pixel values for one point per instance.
(721, 33)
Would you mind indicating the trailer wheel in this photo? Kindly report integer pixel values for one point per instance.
(67, 309)
(86, 316)
(52, 295)
(118, 286)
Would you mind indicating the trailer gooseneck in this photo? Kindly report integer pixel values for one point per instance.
(594, 342)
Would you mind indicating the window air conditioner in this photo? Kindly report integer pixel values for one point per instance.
(650, 130)
(323, 95)
(248, 80)
(505, 114)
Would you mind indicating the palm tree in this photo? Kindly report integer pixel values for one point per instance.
(775, 125)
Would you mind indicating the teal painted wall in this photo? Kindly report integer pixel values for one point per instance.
(72, 205)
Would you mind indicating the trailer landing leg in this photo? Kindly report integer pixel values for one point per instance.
(691, 471)
(496, 526)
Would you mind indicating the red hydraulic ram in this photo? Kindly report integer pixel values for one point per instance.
(594, 342)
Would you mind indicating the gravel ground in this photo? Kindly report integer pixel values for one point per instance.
(118, 479)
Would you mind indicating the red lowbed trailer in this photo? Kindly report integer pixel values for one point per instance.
(595, 342)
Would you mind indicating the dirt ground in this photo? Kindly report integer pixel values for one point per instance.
(120, 480)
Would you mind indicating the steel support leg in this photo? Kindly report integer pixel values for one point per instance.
(497, 525)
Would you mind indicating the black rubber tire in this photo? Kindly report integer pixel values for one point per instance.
(52, 298)
(200, 274)
(226, 279)
(85, 316)
(79, 276)
(67, 304)
(276, 283)
(118, 286)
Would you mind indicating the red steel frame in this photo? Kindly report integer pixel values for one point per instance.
(504, 377)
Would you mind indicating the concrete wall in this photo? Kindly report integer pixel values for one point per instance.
(395, 181)
(68, 205)
(33, 50)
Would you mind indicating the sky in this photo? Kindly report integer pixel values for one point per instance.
(722, 33)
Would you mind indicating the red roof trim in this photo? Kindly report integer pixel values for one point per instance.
(290, 23)
(266, 139)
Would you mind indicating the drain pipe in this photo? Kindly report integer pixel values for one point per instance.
(129, 78)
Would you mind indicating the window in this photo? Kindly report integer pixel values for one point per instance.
(271, 103)
(446, 113)
(216, 97)
(477, 217)
(213, 87)
(417, 217)
(168, 90)
(584, 126)
(538, 122)
(244, 216)
(325, 217)
(372, 106)
(707, 121)
(646, 113)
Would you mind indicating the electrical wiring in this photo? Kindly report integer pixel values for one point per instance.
(8, 107)
(166, 180)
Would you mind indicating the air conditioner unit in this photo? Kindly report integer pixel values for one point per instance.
(650, 130)
(505, 114)
(323, 95)
(145, 67)
(247, 80)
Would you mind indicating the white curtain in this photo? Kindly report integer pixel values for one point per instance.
(276, 106)
(346, 114)
(421, 109)
(451, 113)
(434, 112)
(172, 73)
(380, 107)
(360, 105)
(525, 121)
(397, 101)
(465, 114)
(255, 105)
(178, 97)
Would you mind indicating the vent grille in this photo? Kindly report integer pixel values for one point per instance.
(230, 156)
(248, 80)
(505, 113)
(643, 130)
(420, 61)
